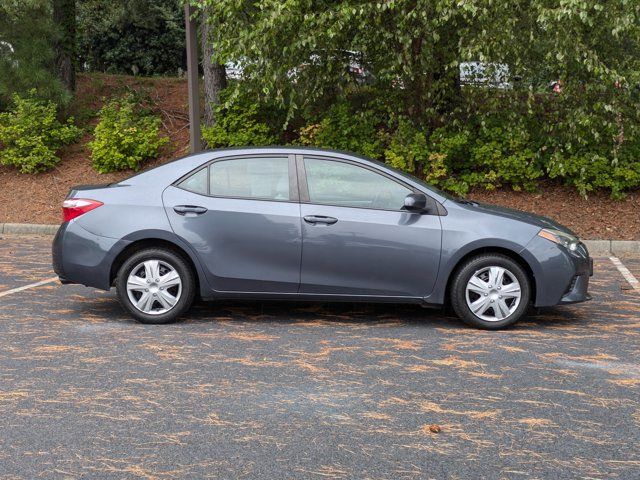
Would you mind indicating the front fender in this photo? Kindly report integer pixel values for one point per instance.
(452, 256)
(553, 269)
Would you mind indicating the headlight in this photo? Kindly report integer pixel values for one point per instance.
(561, 238)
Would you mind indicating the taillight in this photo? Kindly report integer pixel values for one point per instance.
(74, 207)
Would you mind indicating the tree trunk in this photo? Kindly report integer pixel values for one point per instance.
(64, 16)
(215, 75)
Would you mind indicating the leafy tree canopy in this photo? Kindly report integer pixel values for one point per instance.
(137, 36)
(295, 51)
(26, 53)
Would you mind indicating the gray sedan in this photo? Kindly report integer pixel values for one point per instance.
(310, 224)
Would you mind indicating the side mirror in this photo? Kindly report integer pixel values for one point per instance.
(415, 202)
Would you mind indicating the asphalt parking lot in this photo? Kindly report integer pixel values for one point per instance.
(281, 390)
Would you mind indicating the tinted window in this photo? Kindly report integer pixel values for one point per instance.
(348, 185)
(264, 178)
(196, 183)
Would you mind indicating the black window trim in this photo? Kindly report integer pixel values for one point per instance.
(189, 175)
(304, 186)
(294, 196)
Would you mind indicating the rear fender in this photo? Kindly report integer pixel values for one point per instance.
(170, 237)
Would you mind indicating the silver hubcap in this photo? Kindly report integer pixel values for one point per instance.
(154, 287)
(493, 293)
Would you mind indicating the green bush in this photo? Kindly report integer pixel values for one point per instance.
(494, 139)
(30, 134)
(408, 150)
(590, 172)
(502, 156)
(459, 160)
(344, 129)
(238, 126)
(125, 136)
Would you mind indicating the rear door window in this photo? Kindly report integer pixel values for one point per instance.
(264, 178)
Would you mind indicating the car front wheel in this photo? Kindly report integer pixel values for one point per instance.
(490, 291)
(155, 286)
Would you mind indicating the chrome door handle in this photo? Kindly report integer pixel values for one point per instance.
(313, 219)
(184, 209)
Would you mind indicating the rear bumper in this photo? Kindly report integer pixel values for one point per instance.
(56, 253)
(82, 257)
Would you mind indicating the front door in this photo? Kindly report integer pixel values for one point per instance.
(356, 239)
(242, 217)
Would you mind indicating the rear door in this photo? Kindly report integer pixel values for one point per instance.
(356, 238)
(242, 216)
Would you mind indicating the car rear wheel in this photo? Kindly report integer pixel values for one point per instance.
(155, 286)
(490, 291)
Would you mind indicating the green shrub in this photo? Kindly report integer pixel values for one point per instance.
(125, 136)
(30, 134)
(589, 172)
(587, 137)
(489, 157)
(408, 150)
(594, 145)
(344, 129)
(503, 157)
(238, 126)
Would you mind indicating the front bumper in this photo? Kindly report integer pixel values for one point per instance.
(579, 286)
(561, 277)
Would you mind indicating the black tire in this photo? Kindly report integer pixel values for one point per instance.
(464, 273)
(170, 258)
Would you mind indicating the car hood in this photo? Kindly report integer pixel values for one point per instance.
(530, 218)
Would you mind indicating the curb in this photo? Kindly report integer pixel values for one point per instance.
(612, 247)
(28, 229)
(596, 247)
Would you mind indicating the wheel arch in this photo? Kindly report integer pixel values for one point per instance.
(141, 242)
(512, 254)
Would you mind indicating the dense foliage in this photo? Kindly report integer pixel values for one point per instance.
(30, 134)
(455, 159)
(136, 37)
(125, 136)
(419, 114)
(384, 78)
(238, 125)
(26, 51)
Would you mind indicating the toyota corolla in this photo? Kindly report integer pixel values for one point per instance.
(310, 224)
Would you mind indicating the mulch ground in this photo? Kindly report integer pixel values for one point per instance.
(595, 217)
(37, 198)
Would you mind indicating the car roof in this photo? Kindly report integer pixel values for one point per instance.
(183, 165)
(302, 150)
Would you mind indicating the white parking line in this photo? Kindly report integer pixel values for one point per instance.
(625, 273)
(31, 285)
